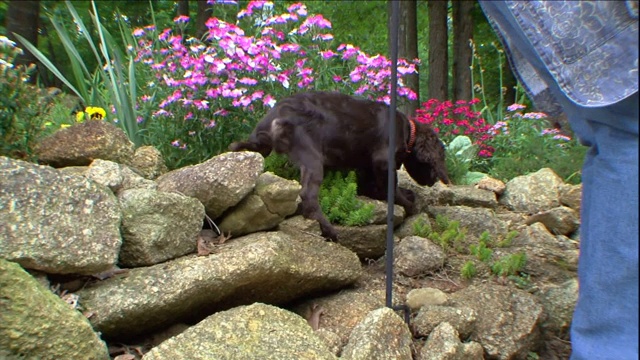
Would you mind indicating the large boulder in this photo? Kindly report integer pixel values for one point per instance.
(36, 324)
(268, 267)
(534, 192)
(56, 223)
(253, 332)
(273, 199)
(158, 226)
(80, 144)
(219, 183)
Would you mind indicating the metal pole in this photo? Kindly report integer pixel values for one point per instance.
(393, 41)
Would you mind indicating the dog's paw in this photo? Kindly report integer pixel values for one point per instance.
(234, 146)
(330, 234)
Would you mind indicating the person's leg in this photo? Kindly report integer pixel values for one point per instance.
(605, 322)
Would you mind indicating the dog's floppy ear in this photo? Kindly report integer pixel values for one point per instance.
(426, 162)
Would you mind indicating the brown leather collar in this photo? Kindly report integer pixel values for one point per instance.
(412, 135)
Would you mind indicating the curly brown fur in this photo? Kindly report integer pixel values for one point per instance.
(321, 130)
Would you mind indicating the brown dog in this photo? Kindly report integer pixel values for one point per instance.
(320, 130)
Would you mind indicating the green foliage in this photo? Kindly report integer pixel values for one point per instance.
(106, 87)
(527, 146)
(509, 264)
(280, 165)
(339, 203)
(20, 105)
(481, 251)
(508, 239)
(422, 228)
(468, 270)
(448, 233)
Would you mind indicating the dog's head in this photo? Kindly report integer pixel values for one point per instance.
(426, 162)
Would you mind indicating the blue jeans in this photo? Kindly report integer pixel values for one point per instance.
(605, 321)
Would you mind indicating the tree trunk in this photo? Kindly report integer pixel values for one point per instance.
(438, 56)
(408, 48)
(22, 19)
(183, 7)
(462, 54)
(204, 13)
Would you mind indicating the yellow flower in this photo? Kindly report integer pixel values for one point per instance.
(96, 113)
(91, 112)
(64, 126)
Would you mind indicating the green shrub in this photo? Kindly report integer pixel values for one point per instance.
(20, 106)
(448, 233)
(280, 165)
(339, 202)
(508, 239)
(422, 228)
(468, 270)
(481, 251)
(509, 264)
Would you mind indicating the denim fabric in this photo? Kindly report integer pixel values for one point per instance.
(605, 322)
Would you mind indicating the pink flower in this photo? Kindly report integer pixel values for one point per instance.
(269, 100)
(138, 32)
(515, 107)
(327, 54)
(182, 19)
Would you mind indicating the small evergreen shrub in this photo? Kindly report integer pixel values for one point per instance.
(468, 270)
(339, 202)
(509, 265)
(481, 251)
(422, 228)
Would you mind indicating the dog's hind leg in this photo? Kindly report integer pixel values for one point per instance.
(309, 160)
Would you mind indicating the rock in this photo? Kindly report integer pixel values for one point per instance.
(463, 319)
(106, 173)
(417, 298)
(407, 228)
(380, 211)
(549, 258)
(60, 224)
(559, 303)
(331, 340)
(571, 196)
(416, 256)
(158, 226)
(438, 194)
(149, 162)
(380, 335)
(507, 319)
(490, 184)
(471, 196)
(475, 220)
(273, 199)
(36, 324)
(534, 192)
(81, 143)
(219, 183)
(132, 180)
(256, 331)
(444, 344)
(342, 311)
(368, 241)
(269, 267)
(561, 220)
